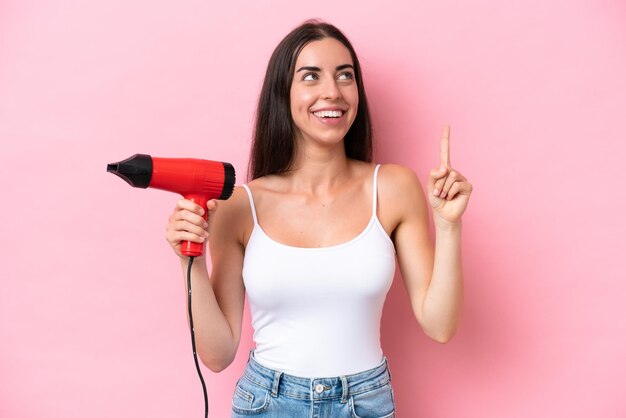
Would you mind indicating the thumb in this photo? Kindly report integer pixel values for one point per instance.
(436, 174)
(211, 205)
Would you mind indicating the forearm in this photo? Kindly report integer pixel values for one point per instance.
(214, 338)
(442, 304)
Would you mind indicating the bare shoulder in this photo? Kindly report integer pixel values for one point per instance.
(400, 187)
(233, 214)
(236, 203)
(268, 187)
(398, 176)
(398, 180)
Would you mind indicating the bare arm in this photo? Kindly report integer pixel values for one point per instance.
(217, 302)
(431, 275)
(442, 304)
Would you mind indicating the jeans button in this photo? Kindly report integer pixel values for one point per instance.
(319, 389)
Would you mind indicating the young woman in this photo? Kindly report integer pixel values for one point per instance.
(313, 239)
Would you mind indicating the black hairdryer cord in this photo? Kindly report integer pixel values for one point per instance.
(193, 338)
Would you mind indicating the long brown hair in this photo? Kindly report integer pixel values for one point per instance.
(273, 144)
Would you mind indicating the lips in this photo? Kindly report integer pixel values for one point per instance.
(337, 113)
(331, 120)
(330, 116)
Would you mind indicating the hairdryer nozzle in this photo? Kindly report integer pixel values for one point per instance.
(136, 170)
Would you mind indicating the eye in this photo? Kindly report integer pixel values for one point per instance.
(346, 76)
(309, 77)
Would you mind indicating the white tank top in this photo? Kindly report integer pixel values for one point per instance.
(316, 311)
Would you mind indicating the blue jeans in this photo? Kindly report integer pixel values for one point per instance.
(267, 393)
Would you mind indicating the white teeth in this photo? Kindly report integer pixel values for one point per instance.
(328, 113)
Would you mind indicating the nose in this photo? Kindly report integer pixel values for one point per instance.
(330, 89)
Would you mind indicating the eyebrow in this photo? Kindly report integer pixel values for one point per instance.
(338, 68)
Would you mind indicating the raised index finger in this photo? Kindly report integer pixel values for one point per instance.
(445, 146)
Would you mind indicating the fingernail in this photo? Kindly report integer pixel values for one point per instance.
(442, 168)
(436, 192)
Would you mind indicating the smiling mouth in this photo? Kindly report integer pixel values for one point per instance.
(328, 114)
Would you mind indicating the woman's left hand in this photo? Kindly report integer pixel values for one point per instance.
(448, 189)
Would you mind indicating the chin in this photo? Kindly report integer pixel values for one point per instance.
(331, 139)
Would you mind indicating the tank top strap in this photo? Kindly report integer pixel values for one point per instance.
(252, 208)
(375, 190)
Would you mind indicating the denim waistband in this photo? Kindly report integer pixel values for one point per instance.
(340, 387)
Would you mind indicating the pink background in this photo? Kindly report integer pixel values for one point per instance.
(92, 306)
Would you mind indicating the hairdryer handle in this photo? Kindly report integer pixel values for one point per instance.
(195, 249)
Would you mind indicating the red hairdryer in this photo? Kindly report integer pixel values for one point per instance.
(197, 180)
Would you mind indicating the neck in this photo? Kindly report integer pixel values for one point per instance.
(319, 169)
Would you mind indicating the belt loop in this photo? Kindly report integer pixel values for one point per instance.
(344, 389)
(387, 367)
(277, 376)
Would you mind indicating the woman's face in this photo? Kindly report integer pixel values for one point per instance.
(324, 93)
